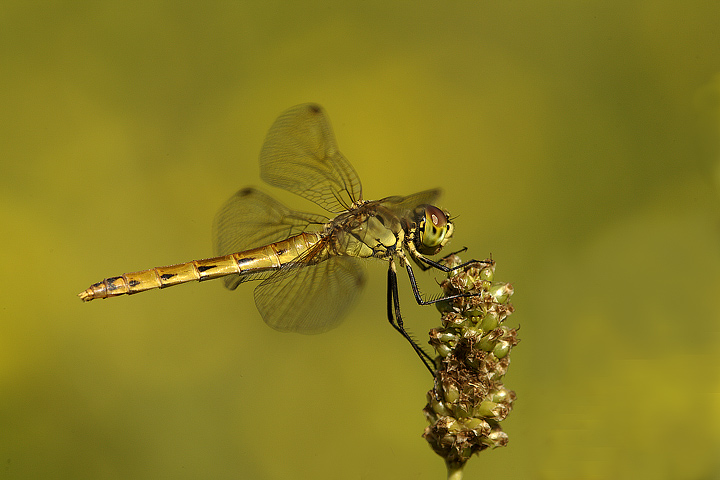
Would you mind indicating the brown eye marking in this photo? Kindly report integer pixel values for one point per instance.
(436, 216)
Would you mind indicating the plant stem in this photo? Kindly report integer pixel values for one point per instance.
(454, 471)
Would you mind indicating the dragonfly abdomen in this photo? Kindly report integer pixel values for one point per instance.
(160, 277)
(269, 257)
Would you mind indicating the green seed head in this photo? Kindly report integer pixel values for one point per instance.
(469, 400)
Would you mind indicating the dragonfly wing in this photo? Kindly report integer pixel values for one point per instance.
(310, 298)
(251, 219)
(404, 207)
(300, 155)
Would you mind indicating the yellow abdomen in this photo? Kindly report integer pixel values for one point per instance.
(261, 259)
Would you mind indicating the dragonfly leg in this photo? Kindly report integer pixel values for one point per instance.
(445, 268)
(425, 263)
(393, 307)
(427, 266)
(462, 250)
(418, 296)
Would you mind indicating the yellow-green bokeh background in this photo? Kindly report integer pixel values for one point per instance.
(576, 141)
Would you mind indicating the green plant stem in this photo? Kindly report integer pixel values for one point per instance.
(454, 471)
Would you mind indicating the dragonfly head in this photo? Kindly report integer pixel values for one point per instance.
(434, 229)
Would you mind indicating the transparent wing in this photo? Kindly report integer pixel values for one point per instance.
(251, 219)
(403, 207)
(300, 155)
(309, 299)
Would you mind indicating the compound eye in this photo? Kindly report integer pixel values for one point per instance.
(434, 228)
(437, 216)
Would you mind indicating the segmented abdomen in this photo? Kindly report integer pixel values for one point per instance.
(269, 257)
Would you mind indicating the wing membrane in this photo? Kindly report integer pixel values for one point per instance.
(300, 155)
(310, 299)
(403, 207)
(251, 219)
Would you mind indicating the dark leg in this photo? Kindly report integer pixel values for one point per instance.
(464, 249)
(445, 268)
(418, 295)
(424, 267)
(393, 305)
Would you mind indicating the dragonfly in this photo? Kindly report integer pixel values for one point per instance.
(310, 266)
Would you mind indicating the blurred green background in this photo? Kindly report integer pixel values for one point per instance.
(577, 142)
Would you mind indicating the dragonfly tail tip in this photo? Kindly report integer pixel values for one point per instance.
(85, 295)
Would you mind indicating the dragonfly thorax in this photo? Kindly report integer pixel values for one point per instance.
(363, 234)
